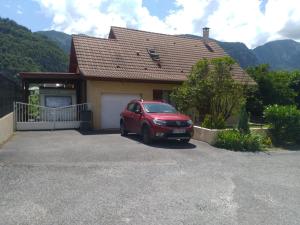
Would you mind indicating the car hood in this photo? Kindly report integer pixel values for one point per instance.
(169, 116)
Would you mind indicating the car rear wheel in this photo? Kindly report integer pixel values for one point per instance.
(146, 137)
(123, 131)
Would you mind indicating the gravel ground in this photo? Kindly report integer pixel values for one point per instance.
(64, 177)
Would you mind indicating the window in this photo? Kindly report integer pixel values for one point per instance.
(58, 101)
(137, 107)
(153, 54)
(159, 108)
(130, 107)
(162, 95)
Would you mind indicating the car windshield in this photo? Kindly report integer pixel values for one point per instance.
(159, 108)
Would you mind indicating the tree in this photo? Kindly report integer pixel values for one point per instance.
(295, 85)
(273, 87)
(243, 125)
(227, 95)
(210, 90)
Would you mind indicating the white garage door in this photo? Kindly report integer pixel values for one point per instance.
(111, 107)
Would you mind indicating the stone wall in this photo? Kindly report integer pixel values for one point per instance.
(206, 135)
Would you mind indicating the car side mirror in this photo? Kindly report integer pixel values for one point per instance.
(138, 111)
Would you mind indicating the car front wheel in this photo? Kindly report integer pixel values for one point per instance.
(123, 131)
(146, 136)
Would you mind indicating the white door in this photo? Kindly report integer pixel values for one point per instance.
(111, 107)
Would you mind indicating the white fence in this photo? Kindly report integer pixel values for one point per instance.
(35, 117)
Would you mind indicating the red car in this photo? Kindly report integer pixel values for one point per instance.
(155, 120)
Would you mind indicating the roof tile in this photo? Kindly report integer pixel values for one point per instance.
(118, 59)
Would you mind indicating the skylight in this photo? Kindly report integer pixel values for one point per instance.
(153, 54)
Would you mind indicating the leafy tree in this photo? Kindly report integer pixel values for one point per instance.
(194, 94)
(273, 87)
(210, 90)
(227, 95)
(295, 85)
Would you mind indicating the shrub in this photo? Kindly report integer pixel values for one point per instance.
(229, 139)
(213, 123)
(252, 142)
(234, 140)
(284, 121)
(267, 141)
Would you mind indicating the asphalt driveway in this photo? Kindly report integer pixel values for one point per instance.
(64, 177)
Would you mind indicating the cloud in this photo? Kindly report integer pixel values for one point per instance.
(19, 10)
(291, 30)
(252, 22)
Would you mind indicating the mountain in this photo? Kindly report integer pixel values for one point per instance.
(239, 51)
(63, 40)
(22, 50)
(280, 55)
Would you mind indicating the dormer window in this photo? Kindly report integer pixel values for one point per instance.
(153, 54)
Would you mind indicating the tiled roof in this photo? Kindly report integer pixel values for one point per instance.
(124, 56)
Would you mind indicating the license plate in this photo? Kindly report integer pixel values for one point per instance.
(179, 131)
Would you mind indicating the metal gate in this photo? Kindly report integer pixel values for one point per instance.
(35, 117)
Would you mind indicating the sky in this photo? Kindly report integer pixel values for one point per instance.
(253, 22)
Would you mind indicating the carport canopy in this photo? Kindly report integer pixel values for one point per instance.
(74, 79)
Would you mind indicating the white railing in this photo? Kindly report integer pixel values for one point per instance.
(35, 117)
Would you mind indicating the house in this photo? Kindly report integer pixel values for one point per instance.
(132, 64)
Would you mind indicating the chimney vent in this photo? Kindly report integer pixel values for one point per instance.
(206, 33)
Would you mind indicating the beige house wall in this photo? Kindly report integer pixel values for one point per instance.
(6, 127)
(96, 88)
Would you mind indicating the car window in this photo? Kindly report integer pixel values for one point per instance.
(137, 107)
(130, 107)
(159, 108)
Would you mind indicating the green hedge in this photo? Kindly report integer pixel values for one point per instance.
(234, 140)
(285, 122)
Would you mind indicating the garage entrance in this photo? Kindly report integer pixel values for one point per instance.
(111, 107)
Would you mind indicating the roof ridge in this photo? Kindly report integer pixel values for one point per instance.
(92, 37)
(151, 32)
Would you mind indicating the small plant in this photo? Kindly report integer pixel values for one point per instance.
(234, 140)
(213, 123)
(284, 121)
(267, 141)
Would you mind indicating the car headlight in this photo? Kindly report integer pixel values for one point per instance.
(159, 122)
(190, 122)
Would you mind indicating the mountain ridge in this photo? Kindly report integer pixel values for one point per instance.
(285, 54)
